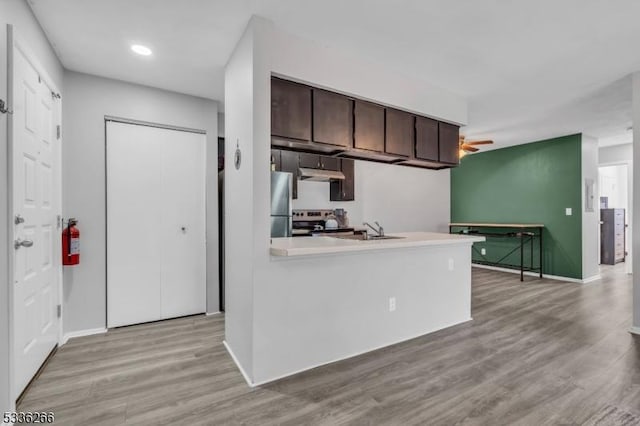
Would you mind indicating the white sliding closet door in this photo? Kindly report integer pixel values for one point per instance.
(156, 265)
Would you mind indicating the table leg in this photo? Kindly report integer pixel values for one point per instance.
(521, 256)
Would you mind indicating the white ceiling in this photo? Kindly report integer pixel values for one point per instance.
(530, 69)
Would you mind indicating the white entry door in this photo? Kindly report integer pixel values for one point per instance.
(35, 205)
(156, 267)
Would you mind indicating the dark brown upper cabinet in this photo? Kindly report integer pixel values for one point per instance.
(290, 110)
(400, 133)
(449, 135)
(426, 139)
(369, 126)
(332, 118)
(290, 163)
(310, 161)
(344, 190)
(330, 163)
(315, 161)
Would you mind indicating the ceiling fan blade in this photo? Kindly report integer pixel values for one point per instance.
(467, 148)
(487, 142)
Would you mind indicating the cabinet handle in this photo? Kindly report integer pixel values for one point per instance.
(319, 166)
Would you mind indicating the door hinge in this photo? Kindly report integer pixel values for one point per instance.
(58, 132)
(59, 221)
(59, 311)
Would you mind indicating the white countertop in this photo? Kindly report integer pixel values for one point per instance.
(302, 246)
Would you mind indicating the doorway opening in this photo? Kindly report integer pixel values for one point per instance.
(614, 187)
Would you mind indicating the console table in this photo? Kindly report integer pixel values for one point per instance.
(525, 233)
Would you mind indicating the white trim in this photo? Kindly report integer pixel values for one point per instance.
(82, 333)
(212, 313)
(591, 279)
(635, 330)
(235, 359)
(404, 339)
(535, 274)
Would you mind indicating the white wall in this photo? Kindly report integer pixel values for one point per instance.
(635, 202)
(590, 220)
(615, 154)
(613, 185)
(238, 202)
(18, 14)
(400, 198)
(88, 99)
(264, 50)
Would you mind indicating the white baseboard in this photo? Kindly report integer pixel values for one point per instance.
(82, 333)
(404, 339)
(591, 279)
(213, 313)
(535, 274)
(634, 330)
(233, 357)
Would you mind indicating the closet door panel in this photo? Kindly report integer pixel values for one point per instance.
(134, 228)
(183, 267)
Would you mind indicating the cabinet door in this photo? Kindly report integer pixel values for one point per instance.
(400, 133)
(276, 159)
(289, 161)
(344, 190)
(310, 161)
(330, 163)
(332, 118)
(449, 143)
(290, 110)
(369, 126)
(426, 139)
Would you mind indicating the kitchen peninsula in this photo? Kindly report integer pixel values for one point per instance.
(288, 109)
(333, 298)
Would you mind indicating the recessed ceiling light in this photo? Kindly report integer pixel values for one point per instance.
(141, 50)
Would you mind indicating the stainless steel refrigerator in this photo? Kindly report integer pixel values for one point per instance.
(281, 200)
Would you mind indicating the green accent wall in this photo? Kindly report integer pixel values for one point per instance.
(532, 183)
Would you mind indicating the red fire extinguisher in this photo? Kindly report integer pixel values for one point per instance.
(71, 244)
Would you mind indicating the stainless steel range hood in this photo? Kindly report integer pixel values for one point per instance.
(319, 175)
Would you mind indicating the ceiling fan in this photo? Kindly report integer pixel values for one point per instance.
(466, 147)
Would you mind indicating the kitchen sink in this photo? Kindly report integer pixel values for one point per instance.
(362, 237)
(383, 237)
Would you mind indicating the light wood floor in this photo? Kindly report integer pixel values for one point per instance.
(537, 353)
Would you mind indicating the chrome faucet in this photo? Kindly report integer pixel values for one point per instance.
(379, 231)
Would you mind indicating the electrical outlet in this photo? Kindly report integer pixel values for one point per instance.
(451, 264)
(392, 304)
(568, 211)
(483, 251)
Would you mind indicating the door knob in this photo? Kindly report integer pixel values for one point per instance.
(22, 243)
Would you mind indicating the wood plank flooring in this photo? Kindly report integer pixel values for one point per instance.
(537, 353)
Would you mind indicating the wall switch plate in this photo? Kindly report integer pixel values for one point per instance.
(392, 304)
(451, 264)
(568, 211)
(483, 251)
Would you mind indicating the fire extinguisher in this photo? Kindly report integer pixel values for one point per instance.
(71, 244)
